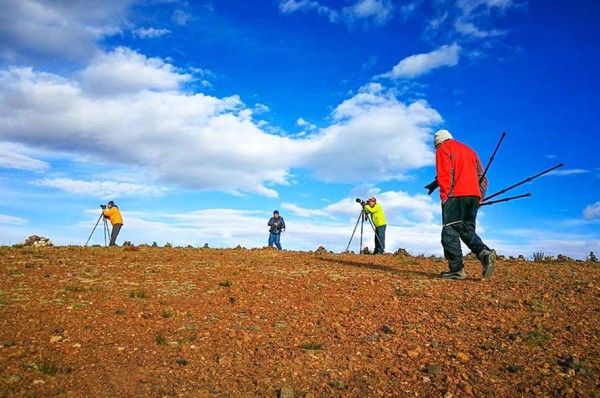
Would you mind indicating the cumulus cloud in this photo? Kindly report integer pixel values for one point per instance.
(592, 212)
(126, 71)
(419, 64)
(126, 109)
(363, 125)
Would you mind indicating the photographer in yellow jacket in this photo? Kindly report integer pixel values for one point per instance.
(111, 211)
(374, 209)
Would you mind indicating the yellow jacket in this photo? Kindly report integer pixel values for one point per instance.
(114, 215)
(376, 214)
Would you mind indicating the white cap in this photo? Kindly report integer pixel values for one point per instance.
(440, 137)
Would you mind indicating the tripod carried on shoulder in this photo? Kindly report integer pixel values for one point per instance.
(106, 233)
(486, 201)
(362, 217)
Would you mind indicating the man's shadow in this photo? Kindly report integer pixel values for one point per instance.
(385, 268)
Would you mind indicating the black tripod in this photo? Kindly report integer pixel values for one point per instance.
(486, 201)
(106, 233)
(362, 217)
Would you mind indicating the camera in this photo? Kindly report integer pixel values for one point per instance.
(103, 207)
(362, 202)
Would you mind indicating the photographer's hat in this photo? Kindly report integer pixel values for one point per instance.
(276, 212)
(440, 137)
(111, 203)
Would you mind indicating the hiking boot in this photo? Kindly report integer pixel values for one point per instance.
(488, 262)
(454, 275)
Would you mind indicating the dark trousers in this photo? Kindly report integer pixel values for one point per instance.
(379, 240)
(458, 217)
(113, 235)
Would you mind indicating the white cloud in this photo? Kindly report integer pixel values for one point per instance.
(302, 212)
(11, 158)
(202, 142)
(379, 11)
(474, 19)
(416, 65)
(34, 29)
(400, 208)
(470, 29)
(4, 219)
(306, 125)
(100, 189)
(291, 6)
(151, 33)
(181, 17)
(567, 172)
(365, 124)
(592, 212)
(125, 71)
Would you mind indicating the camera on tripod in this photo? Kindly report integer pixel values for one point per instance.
(103, 207)
(362, 202)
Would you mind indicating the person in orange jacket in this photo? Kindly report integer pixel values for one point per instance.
(114, 215)
(462, 186)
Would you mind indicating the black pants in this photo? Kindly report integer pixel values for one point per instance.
(113, 235)
(458, 217)
(379, 240)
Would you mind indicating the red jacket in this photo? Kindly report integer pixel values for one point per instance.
(458, 171)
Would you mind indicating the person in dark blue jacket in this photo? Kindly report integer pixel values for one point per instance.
(277, 227)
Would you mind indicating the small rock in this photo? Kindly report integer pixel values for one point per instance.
(339, 384)
(433, 369)
(412, 354)
(55, 339)
(462, 357)
(515, 368)
(286, 392)
(120, 312)
(182, 362)
(569, 363)
(9, 343)
(13, 379)
(468, 389)
(388, 330)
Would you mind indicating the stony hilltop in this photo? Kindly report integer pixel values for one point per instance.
(186, 322)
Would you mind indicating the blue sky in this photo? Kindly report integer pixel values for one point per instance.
(199, 118)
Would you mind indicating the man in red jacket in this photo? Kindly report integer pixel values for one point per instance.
(462, 186)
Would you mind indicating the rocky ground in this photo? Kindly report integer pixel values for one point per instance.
(184, 322)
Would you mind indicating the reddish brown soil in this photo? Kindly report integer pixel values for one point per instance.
(154, 322)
